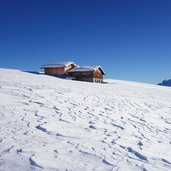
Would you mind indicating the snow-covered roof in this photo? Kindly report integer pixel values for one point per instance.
(58, 64)
(86, 68)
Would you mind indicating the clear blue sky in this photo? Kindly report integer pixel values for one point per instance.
(130, 39)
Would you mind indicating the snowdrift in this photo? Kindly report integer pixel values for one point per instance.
(47, 123)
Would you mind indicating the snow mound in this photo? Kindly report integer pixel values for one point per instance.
(47, 123)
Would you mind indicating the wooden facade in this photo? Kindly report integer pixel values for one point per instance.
(54, 71)
(58, 69)
(93, 75)
(84, 73)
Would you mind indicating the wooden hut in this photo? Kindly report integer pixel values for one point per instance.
(87, 73)
(59, 69)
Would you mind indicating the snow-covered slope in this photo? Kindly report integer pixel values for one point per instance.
(48, 123)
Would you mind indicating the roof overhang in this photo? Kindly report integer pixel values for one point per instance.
(87, 69)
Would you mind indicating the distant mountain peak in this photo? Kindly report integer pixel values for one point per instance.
(166, 83)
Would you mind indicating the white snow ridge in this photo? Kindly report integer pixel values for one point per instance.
(51, 124)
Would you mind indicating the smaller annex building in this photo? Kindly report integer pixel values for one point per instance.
(70, 69)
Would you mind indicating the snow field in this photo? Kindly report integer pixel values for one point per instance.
(47, 123)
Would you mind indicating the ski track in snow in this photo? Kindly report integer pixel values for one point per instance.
(47, 123)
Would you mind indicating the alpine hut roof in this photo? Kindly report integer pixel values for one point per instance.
(87, 68)
(58, 64)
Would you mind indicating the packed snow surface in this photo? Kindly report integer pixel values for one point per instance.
(47, 123)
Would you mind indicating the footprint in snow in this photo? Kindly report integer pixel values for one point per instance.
(92, 127)
(41, 128)
(91, 122)
(106, 162)
(140, 143)
(166, 161)
(118, 126)
(19, 151)
(33, 163)
(137, 154)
